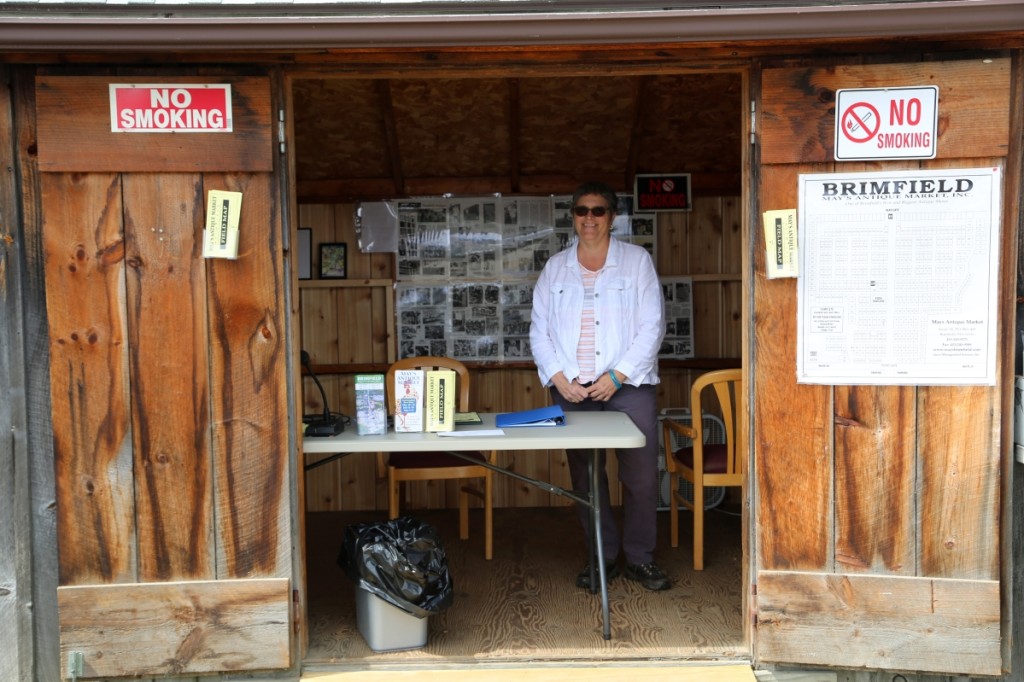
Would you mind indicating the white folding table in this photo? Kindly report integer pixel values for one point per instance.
(582, 430)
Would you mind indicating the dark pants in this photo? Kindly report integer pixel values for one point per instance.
(638, 473)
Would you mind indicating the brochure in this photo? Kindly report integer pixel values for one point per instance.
(408, 400)
(440, 404)
(371, 408)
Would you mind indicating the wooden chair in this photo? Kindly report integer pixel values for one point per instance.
(436, 466)
(704, 464)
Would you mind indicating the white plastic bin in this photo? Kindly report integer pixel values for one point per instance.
(386, 627)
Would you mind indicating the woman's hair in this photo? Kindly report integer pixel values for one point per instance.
(606, 193)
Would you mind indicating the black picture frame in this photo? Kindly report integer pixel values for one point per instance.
(305, 260)
(334, 260)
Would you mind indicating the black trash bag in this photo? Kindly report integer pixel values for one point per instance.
(402, 561)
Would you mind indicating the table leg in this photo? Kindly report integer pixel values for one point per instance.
(595, 525)
(593, 501)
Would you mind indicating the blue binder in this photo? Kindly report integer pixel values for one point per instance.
(542, 416)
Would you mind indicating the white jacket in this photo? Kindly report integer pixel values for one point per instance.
(629, 315)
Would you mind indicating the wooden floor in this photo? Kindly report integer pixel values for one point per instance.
(523, 606)
(561, 673)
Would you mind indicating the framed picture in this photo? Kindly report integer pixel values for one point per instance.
(334, 261)
(305, 263)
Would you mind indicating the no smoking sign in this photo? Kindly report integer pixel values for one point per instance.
(886, 123)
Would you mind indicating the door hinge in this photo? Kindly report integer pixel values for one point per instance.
(280, 130)
(753, 605)
(76, 665)
(753, 122)
(297, 615)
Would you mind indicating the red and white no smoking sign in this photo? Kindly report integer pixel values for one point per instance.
(886, 123)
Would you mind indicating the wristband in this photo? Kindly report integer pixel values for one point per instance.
(615, 380)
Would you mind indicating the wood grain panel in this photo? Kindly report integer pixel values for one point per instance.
(798, 120)
(85, 303)
(592, 125)
(916, 470)
(708, 309)
(960, 463)
(674, 389)
(353, 313)
(958, 439)
(732, 236)
(876, 518)
(74, 129)
(718, 672)
(732, 320)
(248, 388)
(451, 128)
(359, 133)
(177, 629)
(522, 606)
(792, 423)
(888, 623)
(673, 244)
(508, 391)
(167, 325)
(704, 235)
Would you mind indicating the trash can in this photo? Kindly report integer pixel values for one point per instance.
(401, 576)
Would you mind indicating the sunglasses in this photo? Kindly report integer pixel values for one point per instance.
(582, 211)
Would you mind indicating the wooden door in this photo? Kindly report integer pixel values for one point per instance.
(168, 383)
(879, 508)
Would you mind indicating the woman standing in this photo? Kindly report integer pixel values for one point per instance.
(596, 327)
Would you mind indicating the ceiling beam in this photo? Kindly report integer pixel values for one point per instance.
(393, 153)
(514, 130)
(641, 91)
(381, 189)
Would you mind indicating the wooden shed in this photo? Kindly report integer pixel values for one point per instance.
(155, 502)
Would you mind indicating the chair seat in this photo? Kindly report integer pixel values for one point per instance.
(714, 458)
(423, 460)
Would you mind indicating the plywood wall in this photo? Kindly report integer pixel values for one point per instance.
(347, 325)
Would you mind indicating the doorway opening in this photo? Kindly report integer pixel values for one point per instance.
(366, 138)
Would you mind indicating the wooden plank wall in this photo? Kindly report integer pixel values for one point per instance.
(15, 536)
(38, 593)
(169, 405)
(870, 490)
(347, 325)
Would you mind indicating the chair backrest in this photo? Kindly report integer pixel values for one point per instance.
(428, 362)
(727, 386)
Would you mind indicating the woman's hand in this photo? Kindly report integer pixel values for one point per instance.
(570, 390)
(603, 389)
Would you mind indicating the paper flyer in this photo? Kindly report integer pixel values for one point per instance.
(780, 232)
(371, 406)
(223, 211)
(408, 400)
(440, 400)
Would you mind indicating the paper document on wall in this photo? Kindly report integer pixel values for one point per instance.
(780, 231)
(223, 212)
(899, 277)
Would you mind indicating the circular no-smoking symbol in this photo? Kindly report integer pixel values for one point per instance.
(860, 122)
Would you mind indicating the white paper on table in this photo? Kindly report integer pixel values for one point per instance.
(478, 432)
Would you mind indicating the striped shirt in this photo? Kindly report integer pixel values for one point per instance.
(587, 346)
